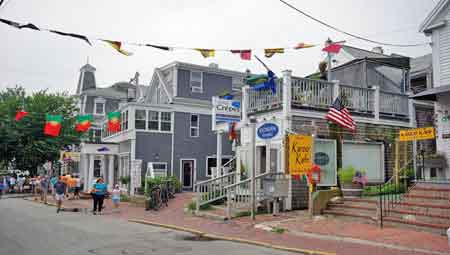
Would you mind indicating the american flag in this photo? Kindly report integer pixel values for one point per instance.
(339, 114)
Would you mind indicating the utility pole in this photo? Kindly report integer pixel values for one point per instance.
(327, 43)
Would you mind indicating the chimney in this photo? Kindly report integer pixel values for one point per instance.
(213, 65)
(378, 49)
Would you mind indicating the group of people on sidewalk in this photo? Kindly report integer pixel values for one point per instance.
(99, 191)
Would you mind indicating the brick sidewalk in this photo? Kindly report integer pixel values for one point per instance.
(327, 235)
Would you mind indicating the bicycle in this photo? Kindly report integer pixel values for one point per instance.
(154, 201)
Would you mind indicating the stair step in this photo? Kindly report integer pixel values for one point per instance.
(431, 189)
(351, 206)
(430, 197)
(417, 213)
(348, 213)
(416, 223)
(360, 200)
(425, 205)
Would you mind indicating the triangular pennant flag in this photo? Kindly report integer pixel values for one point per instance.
(333, 48)
(159, 47)
(29, 26)
(20, 114)
(83, 122)
(206, 53)
(82, 37)
(118, 46)
(303, 46)
(270, 52)
(52, 125)
(11, 23)
(244, 54)
(114, 122)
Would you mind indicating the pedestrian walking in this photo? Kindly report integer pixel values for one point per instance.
(116, 197)
(76, 193)
(33, 184)
(12, 184)
(20, 183)
(99, 190)
(53, 181)
(44, 189)
(60, 192)
(2, 185)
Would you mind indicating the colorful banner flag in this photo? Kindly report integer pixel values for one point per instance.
(81, 37)
(118, 46)
(83, 122)
(159, 47)
(114, 122)
(268, 84)
(303, 46)
(270, 52)
(52, 124)
(206, 53)
(232, 134)
(244, 54)
(333, 48)
(20, 114)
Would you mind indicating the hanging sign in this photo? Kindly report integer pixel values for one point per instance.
(268, 131)
(417, 134)
(225, 111)
(300, 154)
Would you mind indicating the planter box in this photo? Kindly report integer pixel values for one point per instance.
(351, 189)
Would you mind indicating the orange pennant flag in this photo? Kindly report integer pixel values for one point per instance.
(118, 46)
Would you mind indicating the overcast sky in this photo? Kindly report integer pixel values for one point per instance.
(39, 60)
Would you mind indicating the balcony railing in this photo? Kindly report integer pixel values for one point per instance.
(314, 93)
(318, 94)
(393, 104)
(263, 100)
(357, 99)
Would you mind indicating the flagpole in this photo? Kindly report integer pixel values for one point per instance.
(327, 43)
(268, 69)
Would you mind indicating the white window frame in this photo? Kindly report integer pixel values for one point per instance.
(144, 119)
(165, 121)
(215, 157)
(193, 127)
(158, 121)
(196, 89)
(152, 173)
(102, 101)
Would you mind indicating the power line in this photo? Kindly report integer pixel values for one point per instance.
(347, 33)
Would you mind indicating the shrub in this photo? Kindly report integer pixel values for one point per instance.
(125, 180)
(152, 182)
(278, 230)
(192, 206)
(346, 174)
(124, 198)
(388, 188)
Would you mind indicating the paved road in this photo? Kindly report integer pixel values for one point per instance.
(28, 228)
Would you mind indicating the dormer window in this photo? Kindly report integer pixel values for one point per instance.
(99, 106)
(196, 82)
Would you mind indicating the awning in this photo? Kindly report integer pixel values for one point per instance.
(430, 94)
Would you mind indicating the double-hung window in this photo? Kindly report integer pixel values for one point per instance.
(99, 106)
(140, 117)
(195, 125)
(196, 82)
(124, 120)
(166, 121)
(153, 120)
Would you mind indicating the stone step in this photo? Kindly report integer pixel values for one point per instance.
(442, 189)
(360, 200)
(349, 213)
(429, 197)
(368, 207)
(417, 225)
(423, 205)
(443, 213)
(419, 216)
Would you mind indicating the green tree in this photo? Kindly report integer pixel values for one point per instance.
(23, 144)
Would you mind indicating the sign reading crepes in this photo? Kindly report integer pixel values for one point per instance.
(417, 134)
(300, 154)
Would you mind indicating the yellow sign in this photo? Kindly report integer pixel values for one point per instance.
(300, 154)
(417, 134)
(69, 156)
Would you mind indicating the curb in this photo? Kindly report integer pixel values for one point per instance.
(54, 205)
(231, 239)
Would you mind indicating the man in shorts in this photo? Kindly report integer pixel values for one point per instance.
(60, 192)
(44, 189)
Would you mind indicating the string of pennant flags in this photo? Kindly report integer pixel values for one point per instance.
(244, 54)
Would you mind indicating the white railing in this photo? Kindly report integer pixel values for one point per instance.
(214, 189)
(357, 99)
(314, 93)
(263, 100)
(393, 104)
(239, 194)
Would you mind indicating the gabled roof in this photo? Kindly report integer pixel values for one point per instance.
(106, 93)
(432, 15)
(358, 53)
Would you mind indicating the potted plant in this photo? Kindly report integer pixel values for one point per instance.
(352, 181)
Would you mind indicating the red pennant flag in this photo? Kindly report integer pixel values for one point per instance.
(20, 114)
(52, 125)
(114, 122)
(244, 54)
(333, 48)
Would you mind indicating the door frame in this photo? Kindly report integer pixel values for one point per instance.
(193, 172)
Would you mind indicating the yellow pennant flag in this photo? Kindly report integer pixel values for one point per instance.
(303, 46)
(270, 52)
(206, 53)
(118, 46)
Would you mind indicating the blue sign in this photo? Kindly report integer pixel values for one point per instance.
(268, 131)
(236, 104)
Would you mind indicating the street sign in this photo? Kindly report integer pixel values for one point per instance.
(417, 134)
(300, 154)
